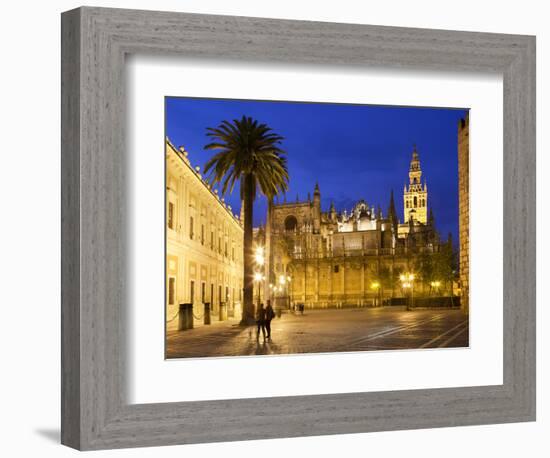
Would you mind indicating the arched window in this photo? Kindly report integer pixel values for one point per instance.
(291, 223)
(415, 202)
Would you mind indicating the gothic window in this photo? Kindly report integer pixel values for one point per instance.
(290, 223)
(415, 202)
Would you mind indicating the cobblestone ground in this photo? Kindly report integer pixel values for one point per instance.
(322, 331)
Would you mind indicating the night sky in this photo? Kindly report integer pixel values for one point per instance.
(353, 151)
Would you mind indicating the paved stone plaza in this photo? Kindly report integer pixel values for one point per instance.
(322, 331)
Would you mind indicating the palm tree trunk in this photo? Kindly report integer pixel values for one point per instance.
(248, 255)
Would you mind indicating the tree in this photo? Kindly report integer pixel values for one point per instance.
(425, 267)
(386, 279)
(444, 265)
(248, 153)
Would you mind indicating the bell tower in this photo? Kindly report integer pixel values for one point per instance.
(415, 198)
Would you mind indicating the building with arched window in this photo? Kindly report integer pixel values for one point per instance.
(331, 258)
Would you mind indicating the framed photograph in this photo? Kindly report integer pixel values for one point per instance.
(279, 228)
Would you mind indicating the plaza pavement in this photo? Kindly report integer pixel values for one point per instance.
(322, 331)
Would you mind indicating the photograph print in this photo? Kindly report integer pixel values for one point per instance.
(303, 227)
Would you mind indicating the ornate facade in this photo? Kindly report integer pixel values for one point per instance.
(204, 243)
(351, 257)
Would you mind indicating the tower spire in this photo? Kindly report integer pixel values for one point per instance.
(392, 213)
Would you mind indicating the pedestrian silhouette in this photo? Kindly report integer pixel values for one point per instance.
(260, 321)
(269, 315)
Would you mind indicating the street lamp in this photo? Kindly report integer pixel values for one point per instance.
(435, 285)
(258, 277)
(407, 281)
(289, 291)
(375, 286)
(260, 261)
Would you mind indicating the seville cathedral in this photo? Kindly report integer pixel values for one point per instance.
(355, 257)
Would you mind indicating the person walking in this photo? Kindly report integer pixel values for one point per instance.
(269, 315)
(260, 321)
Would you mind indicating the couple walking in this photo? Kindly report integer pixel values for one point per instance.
(263, 320)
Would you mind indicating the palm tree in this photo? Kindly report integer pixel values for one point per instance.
(248, 152)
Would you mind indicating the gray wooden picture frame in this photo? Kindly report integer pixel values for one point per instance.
(95, 412)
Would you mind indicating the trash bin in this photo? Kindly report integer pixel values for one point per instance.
(223, 311)
(207, 313)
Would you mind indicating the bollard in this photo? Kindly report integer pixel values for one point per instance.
(190, 319)
(223, 311)
(207, 313)
(184, 317)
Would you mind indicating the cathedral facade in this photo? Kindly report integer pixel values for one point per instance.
(352, 257)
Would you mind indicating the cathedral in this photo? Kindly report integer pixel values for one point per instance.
(353, 257)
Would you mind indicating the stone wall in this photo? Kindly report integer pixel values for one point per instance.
(464, 210)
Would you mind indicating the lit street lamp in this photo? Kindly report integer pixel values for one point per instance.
(407, 281)
(375, 286)
(435, 285)
(284, 281)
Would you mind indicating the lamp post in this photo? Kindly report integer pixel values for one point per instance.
(375, 286)
(407, 281)
(260, 261)
(284, 280)
(259, 278)
(435, 285)
(289, 291)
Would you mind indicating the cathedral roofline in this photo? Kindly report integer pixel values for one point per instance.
(293, 204)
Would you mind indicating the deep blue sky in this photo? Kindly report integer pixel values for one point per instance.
(353, 151)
